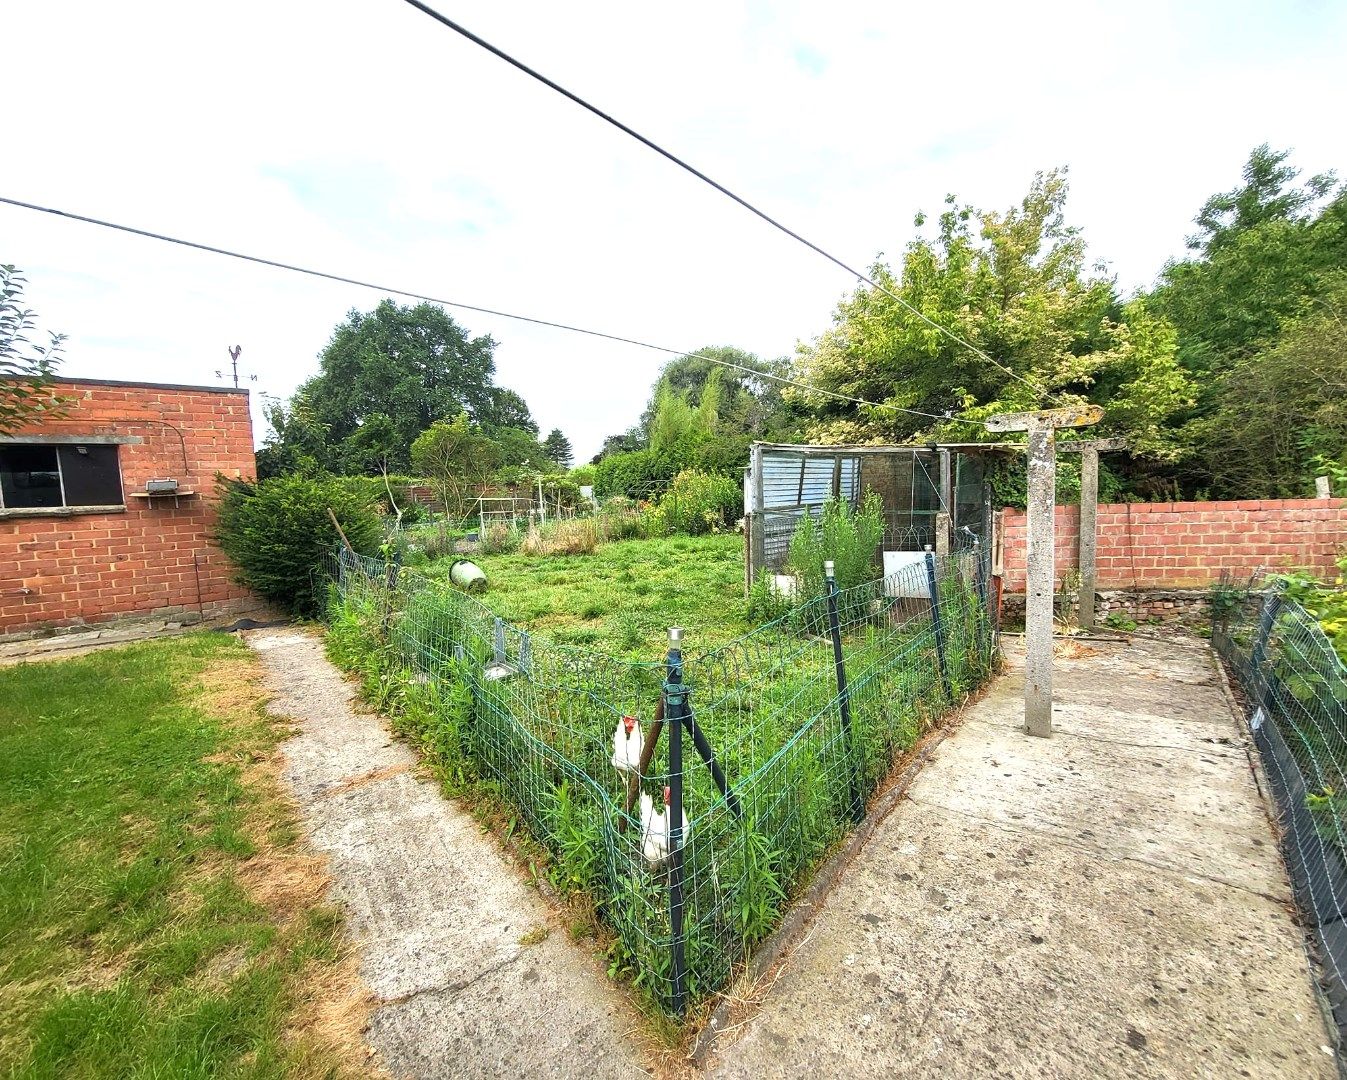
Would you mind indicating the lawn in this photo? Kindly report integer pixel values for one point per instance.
(623, 597)
(159, 916)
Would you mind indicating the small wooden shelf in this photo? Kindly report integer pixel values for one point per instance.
(151, 496)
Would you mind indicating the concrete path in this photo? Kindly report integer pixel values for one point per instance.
(1106, 902)
(441, 918)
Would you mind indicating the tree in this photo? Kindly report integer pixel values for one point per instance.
(26, 368)
(1279, 414)
(558, 448)
(748, 401)
(1262, 249)
(389, 374)
(1016, 286)
(457, 459)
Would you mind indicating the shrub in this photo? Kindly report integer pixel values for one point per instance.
(849, 538)
(499, 539)
(621, 519)
(277, 533)
(637, 474)
(699, 502)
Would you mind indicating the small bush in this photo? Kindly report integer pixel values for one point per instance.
(699, 502)
(277, 533)
(850, 538)
(499, 539)
(765, 602)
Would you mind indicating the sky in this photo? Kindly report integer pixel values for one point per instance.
(361, 138)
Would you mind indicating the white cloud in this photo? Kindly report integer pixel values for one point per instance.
(358, 137)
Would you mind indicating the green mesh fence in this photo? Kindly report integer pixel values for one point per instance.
(795, 756)
(1295, 691)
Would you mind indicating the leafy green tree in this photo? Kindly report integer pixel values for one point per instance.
(1261, 250)
(26, 368)
(748, 402)
(389, 374)
(1278, 415)
(517, 448)
(457, 458)
(1016, 285)
(558, 448)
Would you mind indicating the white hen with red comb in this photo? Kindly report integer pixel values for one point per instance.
(655, 829)
(627, 745)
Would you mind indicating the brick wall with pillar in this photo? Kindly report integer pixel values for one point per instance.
(84, 538)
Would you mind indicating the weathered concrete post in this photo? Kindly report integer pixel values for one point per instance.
(1322, 488)
(1089, 506)
(757, 534)
(1040, 556)
(943, 532)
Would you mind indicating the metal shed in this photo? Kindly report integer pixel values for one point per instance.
(916, 483)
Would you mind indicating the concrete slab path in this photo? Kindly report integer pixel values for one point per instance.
(1109, 901)
(455, 947)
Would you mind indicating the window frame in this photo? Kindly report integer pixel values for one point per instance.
(56, 442)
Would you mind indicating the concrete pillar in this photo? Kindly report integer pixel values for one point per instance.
(1322, 488)
(1040, 571)
(1089, 506)
(942, 534)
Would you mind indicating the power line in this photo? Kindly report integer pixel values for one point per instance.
(293, 268)
(607, 118)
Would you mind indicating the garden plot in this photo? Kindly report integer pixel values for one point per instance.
(531, 718)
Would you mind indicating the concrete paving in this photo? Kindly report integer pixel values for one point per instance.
(1108, 901)
(471, 974)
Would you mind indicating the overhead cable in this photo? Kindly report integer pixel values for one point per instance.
(551, 84)
(341, 278)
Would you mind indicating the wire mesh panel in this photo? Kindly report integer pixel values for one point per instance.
(1295, 688)
(784, 735)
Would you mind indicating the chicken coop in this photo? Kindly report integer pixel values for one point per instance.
(917, 484)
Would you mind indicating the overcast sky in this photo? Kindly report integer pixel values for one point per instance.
(359, 137)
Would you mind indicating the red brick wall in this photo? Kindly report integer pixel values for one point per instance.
(152, 558)
(1188, 545)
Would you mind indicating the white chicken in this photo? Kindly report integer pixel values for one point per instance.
(655, 829)
(627, 745)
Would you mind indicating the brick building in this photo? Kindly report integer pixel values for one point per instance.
(106, 512)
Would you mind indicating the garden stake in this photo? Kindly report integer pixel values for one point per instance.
(675, 697)
(933, 587)
(708, 756)
(857, 808)
(643, 766)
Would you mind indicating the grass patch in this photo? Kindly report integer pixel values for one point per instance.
(623, 597)
(158, 916)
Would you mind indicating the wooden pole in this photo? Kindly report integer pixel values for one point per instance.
(337, 525)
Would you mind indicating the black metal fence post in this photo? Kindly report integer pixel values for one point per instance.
(675, 706)
(933, 587)
(857, 806)
(1267, 618)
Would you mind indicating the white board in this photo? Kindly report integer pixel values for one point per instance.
(905, 573)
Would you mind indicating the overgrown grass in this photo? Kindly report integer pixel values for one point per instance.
(623, 597)
(157, 914)
(538, 740)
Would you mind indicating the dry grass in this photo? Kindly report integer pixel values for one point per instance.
(573, 536)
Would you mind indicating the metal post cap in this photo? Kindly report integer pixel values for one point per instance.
(828, 567)
(675, 635)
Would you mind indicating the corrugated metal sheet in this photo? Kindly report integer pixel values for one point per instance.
(793, 480)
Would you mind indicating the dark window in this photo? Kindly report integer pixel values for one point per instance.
(91, 475)
(34, 476)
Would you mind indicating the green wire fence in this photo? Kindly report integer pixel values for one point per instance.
(1295, 692)
(757, 755)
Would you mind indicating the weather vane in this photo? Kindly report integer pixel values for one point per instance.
(234, 351)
